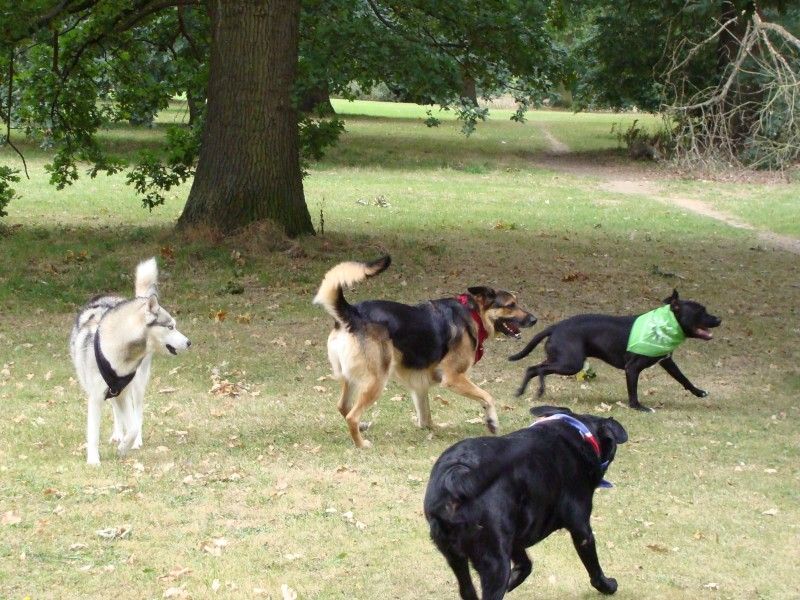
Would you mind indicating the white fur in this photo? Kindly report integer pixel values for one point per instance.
(130, 332)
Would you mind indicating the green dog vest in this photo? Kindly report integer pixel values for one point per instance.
(656, 333)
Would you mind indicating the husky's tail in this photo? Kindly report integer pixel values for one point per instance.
(330, 294)
(535, 340)
(146, 278)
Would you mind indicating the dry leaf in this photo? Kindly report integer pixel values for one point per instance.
(218, 316)
(175, 573)
(658, 548)
(771, 512)
(78, 546)
(114, 533)
(215, 585)
(167, 390)
(11, 518)
(288, 593)
(475, 421)
(176, 592)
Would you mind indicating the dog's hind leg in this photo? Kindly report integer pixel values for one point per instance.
(94, 409)
(423, 408)
(530, 373)
(460, 384)
(367, 394)
(460, 567)
(346, 399)
(494, 569)
(521, 569)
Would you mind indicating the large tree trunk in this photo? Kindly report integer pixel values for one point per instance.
(249, 164)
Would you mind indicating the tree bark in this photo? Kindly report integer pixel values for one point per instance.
(249, 164)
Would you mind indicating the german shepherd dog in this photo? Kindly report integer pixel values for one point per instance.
(433, 342)
(606, 337)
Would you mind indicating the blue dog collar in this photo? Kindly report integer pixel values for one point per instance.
(586, 434)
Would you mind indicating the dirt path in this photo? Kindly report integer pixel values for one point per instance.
(641, 183)
(700, 207)
(556, 146)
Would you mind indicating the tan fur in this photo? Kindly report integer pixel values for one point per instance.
(363, 361)
(342, 275)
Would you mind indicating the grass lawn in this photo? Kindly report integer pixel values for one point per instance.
(233, 496)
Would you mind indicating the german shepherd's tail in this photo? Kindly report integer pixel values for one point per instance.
(535, 340)
(330, 294)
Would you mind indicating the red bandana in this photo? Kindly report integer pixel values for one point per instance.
(466, 299)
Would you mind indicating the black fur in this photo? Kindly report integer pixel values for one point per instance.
(422, 333)
(490, 498)
(605, 337)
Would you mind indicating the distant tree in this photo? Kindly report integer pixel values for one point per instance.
(245, 67)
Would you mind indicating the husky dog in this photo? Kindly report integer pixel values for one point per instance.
(111, 345)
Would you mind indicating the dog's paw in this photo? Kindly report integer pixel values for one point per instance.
(93, 459)
(605, 585)
(365, 445)
(137, 445)
(642, 408)
(492, 425)
(115, 438)
(699, 393)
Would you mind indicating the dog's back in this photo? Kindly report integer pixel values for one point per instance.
(84, 330)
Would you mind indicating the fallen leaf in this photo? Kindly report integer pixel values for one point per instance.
(215, 585)
(176, 592)
(658, 548)
(167, 390)
(11, 518)
(175, 573)
(771, 512)
(114, 533)
(288, 593)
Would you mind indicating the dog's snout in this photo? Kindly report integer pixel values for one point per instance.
(188, 343)
(530, 321)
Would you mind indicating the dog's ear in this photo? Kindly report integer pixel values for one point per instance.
(152, 304)
(673, 299)
(615, 430)
(546, 411)
(485, 295)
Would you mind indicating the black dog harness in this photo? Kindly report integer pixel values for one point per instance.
(115, 383)
(586, 434)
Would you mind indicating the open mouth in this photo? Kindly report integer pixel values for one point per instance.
(703, 334)
(171, 349)
(508, 328)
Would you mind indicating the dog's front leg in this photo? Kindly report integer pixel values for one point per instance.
(583, 540)
(633, 367)
(117, 433)
(671, 368)
(94, 408)
(460, 384)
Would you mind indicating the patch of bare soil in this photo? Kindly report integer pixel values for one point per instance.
(627, 177)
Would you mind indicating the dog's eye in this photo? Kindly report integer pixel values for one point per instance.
(170, 326)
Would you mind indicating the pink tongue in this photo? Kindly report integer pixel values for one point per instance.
(704, 333)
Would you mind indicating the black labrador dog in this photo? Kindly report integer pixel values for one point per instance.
(610, 339)
(490, 498)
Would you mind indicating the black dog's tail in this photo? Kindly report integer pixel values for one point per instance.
(464, 481)
(330, 294)
(535, 340)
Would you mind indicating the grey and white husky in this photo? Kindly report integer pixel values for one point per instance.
(112, 344)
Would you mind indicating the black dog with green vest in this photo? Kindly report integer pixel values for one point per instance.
(631, 343)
